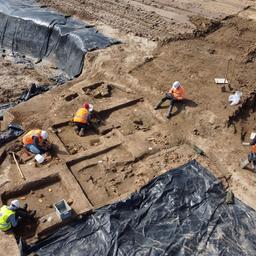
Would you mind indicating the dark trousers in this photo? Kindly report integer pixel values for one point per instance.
(35, 149)
(24, 217)
(79, 126)
(23, 214)
(172, 100)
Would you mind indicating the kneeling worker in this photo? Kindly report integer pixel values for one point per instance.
(176, 93)
(252, 154)
(10, 216)
(36, 142)
(81, 119)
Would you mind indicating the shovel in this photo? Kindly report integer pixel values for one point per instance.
(18, 166)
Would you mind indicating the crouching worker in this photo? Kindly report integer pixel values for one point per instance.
(82, 118)
(176, 93)
(36, 142)
(13, 215)
(252, 154)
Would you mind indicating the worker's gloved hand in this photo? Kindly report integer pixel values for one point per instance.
(169, 95)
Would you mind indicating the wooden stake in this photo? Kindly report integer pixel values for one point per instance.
(226, 76)
(232, 74)
(18, 166)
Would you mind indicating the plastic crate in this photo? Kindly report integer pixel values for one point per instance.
(63, 210)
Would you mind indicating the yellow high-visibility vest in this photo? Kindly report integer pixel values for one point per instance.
(81, 116)
(5, 213)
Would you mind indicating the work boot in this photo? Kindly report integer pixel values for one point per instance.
(76, 130)
(157, 106)
(25, 207)
(168, 115)
(82, 132)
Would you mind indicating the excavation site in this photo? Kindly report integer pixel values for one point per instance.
(128, 127)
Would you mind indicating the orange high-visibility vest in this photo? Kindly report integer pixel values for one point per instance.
(254, 148)
(28, 138)
(179, 93)
(81, 116)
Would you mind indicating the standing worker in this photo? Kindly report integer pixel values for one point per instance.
(81, 119)
(252, 154)
(36, 142)
(11, 216)
(176, 93)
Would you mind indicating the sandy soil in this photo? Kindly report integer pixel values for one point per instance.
(196, 62)
(18, 73)
(154, 19)
(147, 143)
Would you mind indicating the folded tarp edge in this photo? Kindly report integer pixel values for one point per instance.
(27, 29)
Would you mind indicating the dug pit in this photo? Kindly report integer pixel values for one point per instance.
(243, 119)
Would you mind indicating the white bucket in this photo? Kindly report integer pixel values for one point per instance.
(39, 158)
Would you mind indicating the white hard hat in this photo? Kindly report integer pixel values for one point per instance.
(44, 135)
(90, 107)
(176, 85)
(39, 158)
(15, 204)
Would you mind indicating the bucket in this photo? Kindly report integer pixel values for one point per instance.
(39, 158)
(63, 210)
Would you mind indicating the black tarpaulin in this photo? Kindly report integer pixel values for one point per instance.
(4, 107)
(182, 212)
(40, 32)
(28, 94)
(33, 91)
(13, 131)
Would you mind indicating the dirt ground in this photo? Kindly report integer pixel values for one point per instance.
(154, 19)
(162, 41)
(19, 72)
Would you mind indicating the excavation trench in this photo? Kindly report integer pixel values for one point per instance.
(243, 119)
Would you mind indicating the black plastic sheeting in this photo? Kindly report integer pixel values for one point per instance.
(182, 212)
(40, 32)
(13, 131)
(4, 107)
(26, 95)
(33, 91)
